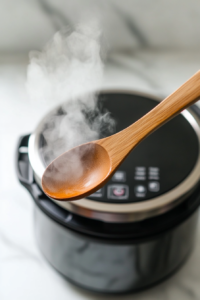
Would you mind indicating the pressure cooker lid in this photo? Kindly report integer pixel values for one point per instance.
(159, 166)
(161, 162)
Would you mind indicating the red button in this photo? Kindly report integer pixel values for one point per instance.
(118, 192)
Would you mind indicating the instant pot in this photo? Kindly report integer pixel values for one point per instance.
(137, 229)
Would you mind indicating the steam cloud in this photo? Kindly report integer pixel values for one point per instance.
(67, 72)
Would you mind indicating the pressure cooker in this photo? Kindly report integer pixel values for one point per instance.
(137, 229)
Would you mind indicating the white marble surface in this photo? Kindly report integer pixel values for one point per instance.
(24, 273)
(127, 24)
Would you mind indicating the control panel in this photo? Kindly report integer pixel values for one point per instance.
(145, 183)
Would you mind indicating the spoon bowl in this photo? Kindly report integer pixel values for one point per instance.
(77, 172)
(86, 168)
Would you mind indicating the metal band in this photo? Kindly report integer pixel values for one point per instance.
(127, 212)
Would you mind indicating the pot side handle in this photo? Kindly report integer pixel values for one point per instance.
(23, 168)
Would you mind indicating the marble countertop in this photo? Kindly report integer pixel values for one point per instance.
(24, 273)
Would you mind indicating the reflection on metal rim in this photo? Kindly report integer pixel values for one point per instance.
(122, 212)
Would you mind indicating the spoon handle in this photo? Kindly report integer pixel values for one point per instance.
(123, 142)
(171, 106)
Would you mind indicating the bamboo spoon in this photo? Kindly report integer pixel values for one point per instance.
(83, 170)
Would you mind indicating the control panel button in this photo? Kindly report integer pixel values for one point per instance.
(98, 193)
(140, 173)
(154, 173)
(154, 186)
(140, 191)
(118, 191)
(119, 176)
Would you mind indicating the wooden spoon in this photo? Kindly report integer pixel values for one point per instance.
(83, 170)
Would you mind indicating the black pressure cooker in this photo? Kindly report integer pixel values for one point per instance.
(137, 229)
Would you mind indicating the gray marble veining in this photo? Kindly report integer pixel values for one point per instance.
(167, 24)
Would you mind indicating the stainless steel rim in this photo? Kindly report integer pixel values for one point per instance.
(122, 212)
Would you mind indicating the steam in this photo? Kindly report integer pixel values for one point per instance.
(66, 73)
